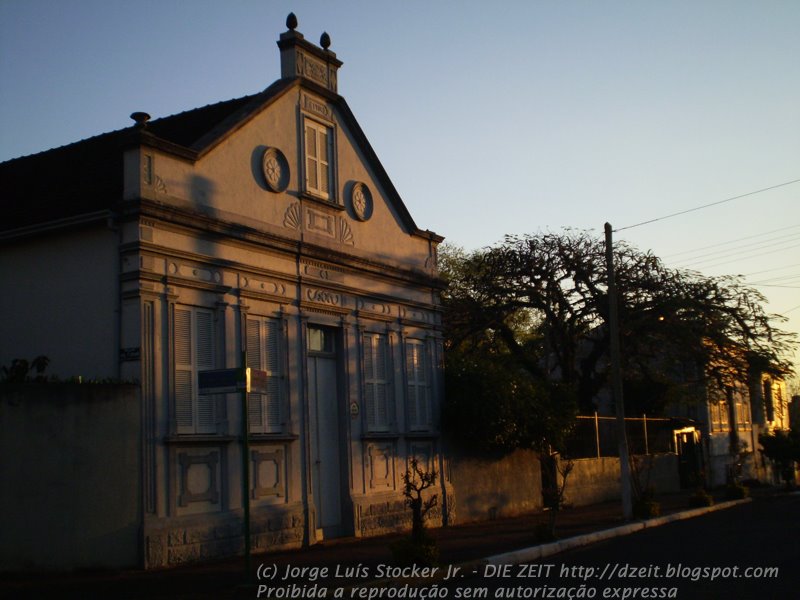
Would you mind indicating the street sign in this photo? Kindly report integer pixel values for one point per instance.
(221, 381)
(229, 381)
(256, 381)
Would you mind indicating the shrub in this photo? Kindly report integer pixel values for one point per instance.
(646, 508)
(736, 491)
(701, 498)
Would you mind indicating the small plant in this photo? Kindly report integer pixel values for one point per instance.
(420, 549)
(701, 498)
(736, 491)
(22, 371)
(558, 470)
(646, 506)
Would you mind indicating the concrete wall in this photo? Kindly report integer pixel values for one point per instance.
(60, 299)
(488, 488)
(70, 464)
(596, 480)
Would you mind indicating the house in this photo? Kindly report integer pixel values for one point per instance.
(730, 420)
(261, 229)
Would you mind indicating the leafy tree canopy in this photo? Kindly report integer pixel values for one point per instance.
(538, 305)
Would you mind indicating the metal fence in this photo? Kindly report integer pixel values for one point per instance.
(596, 436)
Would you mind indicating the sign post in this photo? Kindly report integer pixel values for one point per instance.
(246, 467)
(243, 380)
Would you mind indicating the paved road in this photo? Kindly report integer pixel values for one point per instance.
(749, 551)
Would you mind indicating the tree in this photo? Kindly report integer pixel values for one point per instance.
(783, 449)
(544, 298)
(498, 398)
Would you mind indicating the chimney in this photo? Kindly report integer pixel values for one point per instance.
(300, 58)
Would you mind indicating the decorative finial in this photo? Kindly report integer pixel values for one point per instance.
(141, 118)
(325, 40)
(291, 21)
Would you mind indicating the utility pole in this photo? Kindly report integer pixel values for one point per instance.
(616, 381)
(246, 466)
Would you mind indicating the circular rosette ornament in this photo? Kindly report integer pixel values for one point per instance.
(276, 170)
(361, 201)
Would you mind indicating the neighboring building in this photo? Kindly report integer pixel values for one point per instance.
(263, 223)
(730, 421)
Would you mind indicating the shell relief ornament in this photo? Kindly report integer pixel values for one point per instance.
(361, 201)
(276, 170)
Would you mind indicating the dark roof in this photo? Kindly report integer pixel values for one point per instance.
(87, 177)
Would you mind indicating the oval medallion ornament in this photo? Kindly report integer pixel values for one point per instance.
(361, 201)
(276, 170)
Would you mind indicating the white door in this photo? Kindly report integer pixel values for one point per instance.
(326, 442)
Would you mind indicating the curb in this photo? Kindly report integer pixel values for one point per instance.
(553, 548)
(534, 553)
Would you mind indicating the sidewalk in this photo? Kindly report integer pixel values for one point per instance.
(224, 579)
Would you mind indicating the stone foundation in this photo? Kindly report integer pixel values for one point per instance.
(379, 515)
(192, 540)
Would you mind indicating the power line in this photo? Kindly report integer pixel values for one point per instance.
(746, 249)
(790, 310)
(683, 212)
(773, 270)
(785, 287)
(736, 241)
(741, 258)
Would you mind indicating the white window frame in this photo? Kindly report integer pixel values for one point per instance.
(265, 351)
(318, 159)
(418, 385)
(194, 349)
(377, 374)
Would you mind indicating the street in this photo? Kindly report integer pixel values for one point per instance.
(749, 551)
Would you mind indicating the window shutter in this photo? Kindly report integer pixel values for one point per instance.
(263, 352)
(381, 399)
(311, 158)
(255, 402)
(369, 383)
(272, 365)
(376, 382)
(206, 404)
(324, 162)
(411, 394)
(193, 347)
(417, 389)
(182, 336)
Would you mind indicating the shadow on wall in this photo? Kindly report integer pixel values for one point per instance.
(494, 487)
(491, 505)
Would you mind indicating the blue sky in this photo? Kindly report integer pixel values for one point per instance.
(491, 118)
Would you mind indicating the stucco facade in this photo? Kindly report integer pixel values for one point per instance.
(264, 224)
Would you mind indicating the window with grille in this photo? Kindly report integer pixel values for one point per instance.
(418, 385)
(193, 351)
(264, 352)
(376, 382)
(319, 159)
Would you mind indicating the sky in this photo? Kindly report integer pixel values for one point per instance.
(499, 118)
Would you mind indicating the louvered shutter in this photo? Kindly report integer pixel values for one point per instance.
(255, 402)
(184, 372)
(206, 404)
(411, 394)
(369, 379)
(324, 162)
(381, 384)
(376, 385)
(312, 163)
(272, 365)
(423, 400)
(417, 369)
